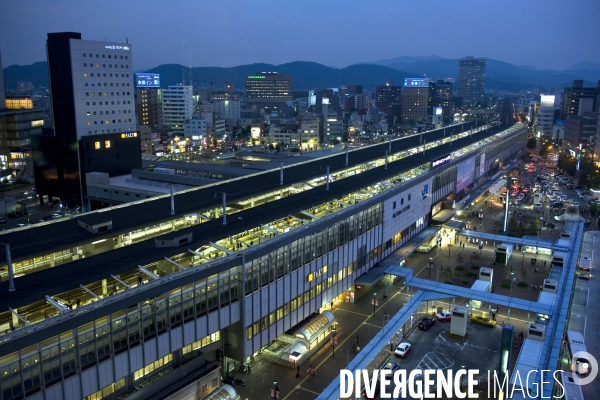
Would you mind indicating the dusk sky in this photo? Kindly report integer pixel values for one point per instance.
(549, 34)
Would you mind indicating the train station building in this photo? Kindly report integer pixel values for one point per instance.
(108, 300)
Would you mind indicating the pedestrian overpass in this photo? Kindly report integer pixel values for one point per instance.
(557, 308)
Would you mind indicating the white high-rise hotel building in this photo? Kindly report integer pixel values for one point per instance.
(102, 87)
(177, 107)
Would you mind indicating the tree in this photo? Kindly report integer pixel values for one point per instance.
(460, 259)
(531, 143)
(271, 147)
(513, 226)
(524, 274)
(533, 227)
(593, 209)
(447, 273)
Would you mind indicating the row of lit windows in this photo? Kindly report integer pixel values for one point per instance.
(100, 84)
(107, 391)
(106, 93)
(152, 366)
(97, 65)
(103, 56)
(87, 103)
(88, 113)
(85, 75)
(114, 121)
(205, 341)
(106, 144)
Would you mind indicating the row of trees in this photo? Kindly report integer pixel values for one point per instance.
(589, 175)
(525, 226)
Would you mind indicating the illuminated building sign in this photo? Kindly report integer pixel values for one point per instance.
(440, 161)
(317, 274)
(147, 80)
(256, 77)
(416, 82)
(116, 47)
(126, 135)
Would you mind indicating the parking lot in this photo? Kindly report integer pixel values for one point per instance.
(435, 349)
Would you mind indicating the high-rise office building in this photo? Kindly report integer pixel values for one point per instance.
(387, 94)
(546, 113)
(471, 79)
(148, 100)
(415, 100)
(572, 98)
(440, 95)
(177, 107)
(92, 94)
(2, 89)
(347, 91)
(269, 90)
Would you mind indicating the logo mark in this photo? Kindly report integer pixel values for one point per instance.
(585, 367)
(425, 190)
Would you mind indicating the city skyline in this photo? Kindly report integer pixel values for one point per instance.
(231, 33)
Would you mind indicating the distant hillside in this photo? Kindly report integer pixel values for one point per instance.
(500, 76)
(307, 75)
(36, 73)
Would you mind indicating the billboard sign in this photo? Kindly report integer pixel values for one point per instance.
(440, 161)
(438, 110)
(482, 165)
(255, 133)
(147, 80)
(465, 174)
(416, 82)
(547, 101)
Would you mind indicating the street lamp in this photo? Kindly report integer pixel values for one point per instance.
(374, 302)
(512, 277)
(430, 266)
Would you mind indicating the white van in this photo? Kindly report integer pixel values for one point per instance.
(537, 206)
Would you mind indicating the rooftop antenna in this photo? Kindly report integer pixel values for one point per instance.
(127, 40)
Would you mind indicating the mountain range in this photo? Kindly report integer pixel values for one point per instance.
(500, 76)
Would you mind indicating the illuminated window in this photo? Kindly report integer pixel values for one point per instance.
(107, 144)
(96, 145)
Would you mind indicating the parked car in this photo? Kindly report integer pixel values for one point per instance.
(425, 323)
(444, 316)
(584, 274)
(55, 216)
(3, 220)
(392, 367)
(402, 349)
(481, 319)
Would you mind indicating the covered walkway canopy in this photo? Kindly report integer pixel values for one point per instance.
(455, 224)
(557, 245)
(457, 291)
(413, 243)
(496, 188)
(443, 216)
(317, 325)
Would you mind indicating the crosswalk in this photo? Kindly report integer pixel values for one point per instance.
(435, 360)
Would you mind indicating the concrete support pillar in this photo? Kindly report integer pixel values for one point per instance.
(104, 288)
